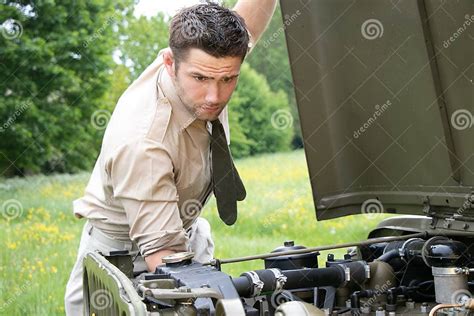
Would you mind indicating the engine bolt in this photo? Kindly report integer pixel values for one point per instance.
(424, 308)
(380, 312)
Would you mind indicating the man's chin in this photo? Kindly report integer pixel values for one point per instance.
(209, 116)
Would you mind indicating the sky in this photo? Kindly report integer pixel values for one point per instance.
(152, 7)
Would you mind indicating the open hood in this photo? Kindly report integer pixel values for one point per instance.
(385, 98)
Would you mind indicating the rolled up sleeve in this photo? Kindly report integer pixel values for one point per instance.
(141, 173)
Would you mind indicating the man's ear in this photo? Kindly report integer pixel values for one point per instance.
(169, 62)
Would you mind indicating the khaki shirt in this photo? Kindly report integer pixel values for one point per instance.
(153, 175)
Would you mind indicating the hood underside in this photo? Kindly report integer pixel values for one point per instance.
(385, 98)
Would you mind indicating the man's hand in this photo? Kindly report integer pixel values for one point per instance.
(154, 260)
(257, 14)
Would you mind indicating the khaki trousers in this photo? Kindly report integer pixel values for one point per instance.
(93, 239)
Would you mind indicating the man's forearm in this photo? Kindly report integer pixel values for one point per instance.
(154, 260)
(257, 14)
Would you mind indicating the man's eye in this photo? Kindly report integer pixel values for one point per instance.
(200, 78)
(229, 79)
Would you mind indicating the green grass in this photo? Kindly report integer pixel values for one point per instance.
(39, 235)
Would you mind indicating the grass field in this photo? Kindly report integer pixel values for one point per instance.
(39, 235)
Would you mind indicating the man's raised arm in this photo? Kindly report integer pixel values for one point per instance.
(257, 14)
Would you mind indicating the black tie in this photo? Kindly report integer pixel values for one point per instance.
(228, 187)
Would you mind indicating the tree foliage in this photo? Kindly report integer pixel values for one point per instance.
(140, 41)
(259, 118)
(54, 60)
(58, 71)
(270, 58)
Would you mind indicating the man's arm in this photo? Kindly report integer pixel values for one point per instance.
(141, 173)
(154, 260)
(257, 14)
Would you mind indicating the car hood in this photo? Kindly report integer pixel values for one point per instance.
(385, 99)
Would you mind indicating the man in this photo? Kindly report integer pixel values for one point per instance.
(153, 174)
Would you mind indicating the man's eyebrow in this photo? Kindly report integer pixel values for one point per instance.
(197, 74)
(231, 77)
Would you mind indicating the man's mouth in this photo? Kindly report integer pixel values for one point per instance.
(210, 109)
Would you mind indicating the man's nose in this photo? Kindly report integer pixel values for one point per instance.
(213, 94)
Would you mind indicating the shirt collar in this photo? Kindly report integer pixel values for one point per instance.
(182, 114)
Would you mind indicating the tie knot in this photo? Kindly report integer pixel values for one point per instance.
(216, 122)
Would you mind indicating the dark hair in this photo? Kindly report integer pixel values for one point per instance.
(210, 27)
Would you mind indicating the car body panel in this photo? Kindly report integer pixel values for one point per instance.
(385, 104)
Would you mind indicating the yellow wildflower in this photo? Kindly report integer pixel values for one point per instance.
(11, 245)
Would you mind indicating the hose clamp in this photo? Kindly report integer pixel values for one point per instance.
(402, 249)
(280, 279)
(256, 282)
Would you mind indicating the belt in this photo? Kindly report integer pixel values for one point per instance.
(108, 240)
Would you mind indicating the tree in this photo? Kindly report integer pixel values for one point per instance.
(120, 79)
(54, 61)
(140, 41)
(270, 58)
(260, 119)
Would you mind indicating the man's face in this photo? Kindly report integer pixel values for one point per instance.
(205, 83)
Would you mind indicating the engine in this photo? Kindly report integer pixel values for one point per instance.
(403, 275)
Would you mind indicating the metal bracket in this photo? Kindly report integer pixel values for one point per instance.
(279, 278)
(427, 206)
(180, 293)
(256, 282)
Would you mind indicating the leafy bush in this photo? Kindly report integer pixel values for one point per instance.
(55, 58)
(260, 119)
